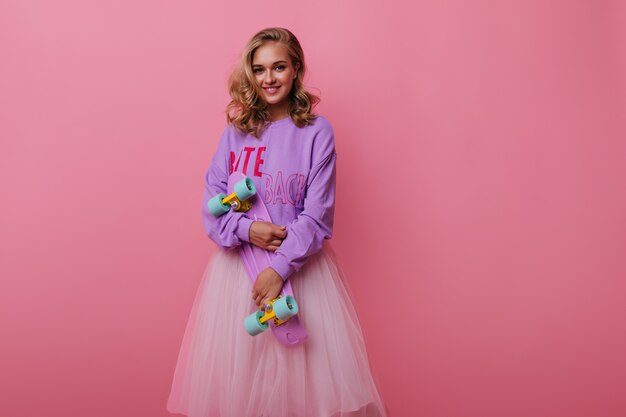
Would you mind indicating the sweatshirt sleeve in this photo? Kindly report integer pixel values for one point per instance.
(231, 228)
(305, 235)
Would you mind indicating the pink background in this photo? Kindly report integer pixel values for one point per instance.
(480, 217)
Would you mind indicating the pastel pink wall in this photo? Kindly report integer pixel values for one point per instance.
(480, 217)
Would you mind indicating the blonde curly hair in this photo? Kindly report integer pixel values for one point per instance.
(246, 110)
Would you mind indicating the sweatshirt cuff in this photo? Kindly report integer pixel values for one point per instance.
(243, 228)
(280, 265)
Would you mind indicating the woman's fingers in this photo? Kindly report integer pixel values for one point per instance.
(258, 299)
(273, 245)
(267, 235)
(272, 237)
(280, 232)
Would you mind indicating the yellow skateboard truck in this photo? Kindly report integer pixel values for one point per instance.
(239, 200)
(235, 203)
(270, 314)
(280, 310)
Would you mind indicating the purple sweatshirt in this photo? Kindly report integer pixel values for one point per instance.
(294, 171)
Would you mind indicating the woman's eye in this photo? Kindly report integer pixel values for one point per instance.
(260, 70)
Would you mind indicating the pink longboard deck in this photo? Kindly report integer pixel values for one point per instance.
(256, 260)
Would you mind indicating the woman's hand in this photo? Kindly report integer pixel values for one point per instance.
(267, 235)
(266, 287)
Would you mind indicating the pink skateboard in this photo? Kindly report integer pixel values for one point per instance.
(280, 313)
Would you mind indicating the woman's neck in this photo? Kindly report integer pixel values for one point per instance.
(279, 113)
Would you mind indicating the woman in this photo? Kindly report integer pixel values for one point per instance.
(273, 137)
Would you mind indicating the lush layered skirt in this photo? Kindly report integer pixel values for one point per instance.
(224, 372)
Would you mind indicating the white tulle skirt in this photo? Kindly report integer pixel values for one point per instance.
(224, 372)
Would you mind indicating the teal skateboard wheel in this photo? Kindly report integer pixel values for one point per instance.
(216, 207)
(245, 189)
(252, 324)
(285, 307)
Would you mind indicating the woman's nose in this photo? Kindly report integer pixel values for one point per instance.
(269, 77)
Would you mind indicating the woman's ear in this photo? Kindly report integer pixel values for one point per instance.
(297, 67)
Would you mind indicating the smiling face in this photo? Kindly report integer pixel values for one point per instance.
(274, 73)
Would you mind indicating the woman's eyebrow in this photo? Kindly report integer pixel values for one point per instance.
(277, 62)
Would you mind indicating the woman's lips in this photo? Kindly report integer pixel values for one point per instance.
(271, 90)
